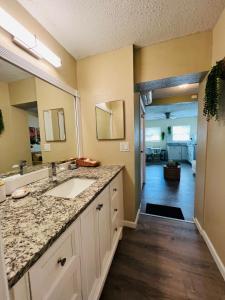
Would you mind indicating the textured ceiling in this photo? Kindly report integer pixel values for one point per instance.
(87, 27)
(177, 110)
(9, 73)
(180, 90)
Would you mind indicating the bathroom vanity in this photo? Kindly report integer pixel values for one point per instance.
(62, 248)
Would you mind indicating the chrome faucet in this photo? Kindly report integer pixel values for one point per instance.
(22, 164)
(52, 173)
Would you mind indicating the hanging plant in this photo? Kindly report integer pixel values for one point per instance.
(162, 136)
(1, 122)
(169, 129)
(213, 90)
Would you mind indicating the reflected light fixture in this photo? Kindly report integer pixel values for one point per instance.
(183, 86)
(28, 41)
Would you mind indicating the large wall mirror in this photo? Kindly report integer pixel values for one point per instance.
(110, 120)
(37, 121)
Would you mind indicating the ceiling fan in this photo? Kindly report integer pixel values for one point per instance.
(167, 115)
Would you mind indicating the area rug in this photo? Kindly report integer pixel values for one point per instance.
(164, 211)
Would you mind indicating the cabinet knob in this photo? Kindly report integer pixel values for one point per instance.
(115, 190)
(99, 207)
(115, 209)
(116, 229)
(61, 261)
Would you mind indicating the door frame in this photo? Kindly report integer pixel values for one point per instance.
(142, 143)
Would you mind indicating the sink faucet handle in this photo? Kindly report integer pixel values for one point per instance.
(23, 163)
(52, 170)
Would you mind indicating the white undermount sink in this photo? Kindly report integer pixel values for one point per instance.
(71, 188)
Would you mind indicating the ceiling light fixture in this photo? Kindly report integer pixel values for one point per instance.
(27, 40)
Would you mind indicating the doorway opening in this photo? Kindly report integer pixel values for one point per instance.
(170, 136)
(33, 130)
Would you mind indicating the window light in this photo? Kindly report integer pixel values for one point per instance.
(153, 134)
(27, 40)
(181, 133)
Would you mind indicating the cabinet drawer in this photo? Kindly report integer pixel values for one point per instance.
(68, 285)
(114, 205)
(115, 229)
(114, 186)
(52, 265)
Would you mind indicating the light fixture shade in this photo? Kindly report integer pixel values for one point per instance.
(27, 40)
(17, 30)
(47, 54)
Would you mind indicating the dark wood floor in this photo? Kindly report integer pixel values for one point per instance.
(157, 190)
(163, 259)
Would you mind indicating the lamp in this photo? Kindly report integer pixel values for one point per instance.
(27, 40)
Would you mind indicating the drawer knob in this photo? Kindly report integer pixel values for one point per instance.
(116, 229)
(61, 261)
(115, 190)
(99, 207)
(115, 209)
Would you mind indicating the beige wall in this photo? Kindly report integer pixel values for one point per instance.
(14, 140)
(214, 206)
(171, 100)
(67, 72)
(179, 56)
(101, 78)
(22, 91)
(49, 97)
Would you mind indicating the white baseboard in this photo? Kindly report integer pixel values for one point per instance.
(212, 250)
(131, 224)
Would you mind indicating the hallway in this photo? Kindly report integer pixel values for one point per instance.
(162, 261)
(159, 191)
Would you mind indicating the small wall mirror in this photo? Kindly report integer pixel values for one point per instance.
(54, 125)
(110, 120)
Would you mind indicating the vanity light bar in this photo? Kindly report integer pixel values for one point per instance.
(27, 40)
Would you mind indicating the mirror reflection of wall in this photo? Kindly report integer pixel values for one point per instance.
(23, 100)
(110, 120)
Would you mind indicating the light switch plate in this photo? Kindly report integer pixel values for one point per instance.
(47, 147)
(124, 147)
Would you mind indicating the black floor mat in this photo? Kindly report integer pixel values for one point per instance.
(164, 211)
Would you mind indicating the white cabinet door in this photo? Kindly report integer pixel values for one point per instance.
(184, 153)
(67, 287)
(174, 152)
(116, 196)
(56, 275)
(190, 153)
(104, 227)
(90, 269)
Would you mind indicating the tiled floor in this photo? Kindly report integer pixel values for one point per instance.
(159, 191)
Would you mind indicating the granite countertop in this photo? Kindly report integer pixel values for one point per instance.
(30, 225)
